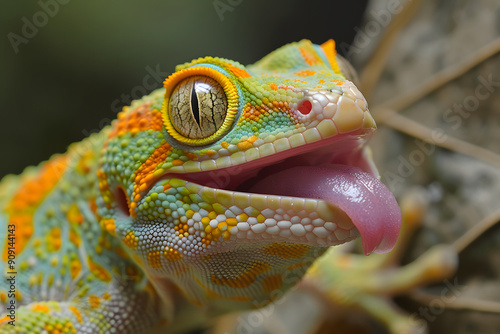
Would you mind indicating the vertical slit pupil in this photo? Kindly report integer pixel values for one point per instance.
(194, 105)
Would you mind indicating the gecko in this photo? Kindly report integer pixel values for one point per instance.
(211, 195)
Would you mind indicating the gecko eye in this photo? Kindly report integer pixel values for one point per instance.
(198, 107)
(200, 104)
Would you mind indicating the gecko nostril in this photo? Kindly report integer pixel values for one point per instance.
(305, 107)
(122, 200)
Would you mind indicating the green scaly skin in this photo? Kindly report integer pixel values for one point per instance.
(140, 228)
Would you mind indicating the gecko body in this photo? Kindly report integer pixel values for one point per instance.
(214, 194)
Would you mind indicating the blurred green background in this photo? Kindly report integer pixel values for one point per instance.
(72, 73)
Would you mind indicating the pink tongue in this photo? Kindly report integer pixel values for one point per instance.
(370, 205)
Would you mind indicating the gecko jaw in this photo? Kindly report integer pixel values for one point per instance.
(299, 192)
(258, 209)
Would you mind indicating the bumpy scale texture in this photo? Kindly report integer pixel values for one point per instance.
(140, 229)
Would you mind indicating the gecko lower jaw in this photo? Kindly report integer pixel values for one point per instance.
(317, 198)
(347, 181)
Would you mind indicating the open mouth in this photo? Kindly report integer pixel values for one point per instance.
(316, 186)
(328, 195)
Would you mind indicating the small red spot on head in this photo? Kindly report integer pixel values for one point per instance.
(305, 107)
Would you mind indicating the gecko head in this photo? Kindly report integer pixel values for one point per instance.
(243, 173)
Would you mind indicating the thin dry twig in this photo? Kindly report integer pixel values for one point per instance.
(417, 130)
(373, 69)
(443, 77)
(476, 231)
(457, 304)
